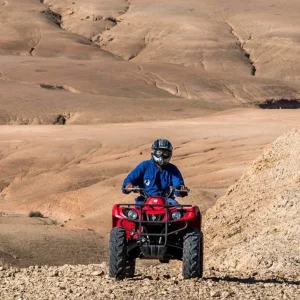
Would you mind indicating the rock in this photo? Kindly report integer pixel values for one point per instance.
(97, 273)
(54, 273)
(226, 294)
(180, 277)
(215, 293)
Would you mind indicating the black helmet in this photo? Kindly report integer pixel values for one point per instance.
(161, 152)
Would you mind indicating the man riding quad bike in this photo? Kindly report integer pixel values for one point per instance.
(156, 226)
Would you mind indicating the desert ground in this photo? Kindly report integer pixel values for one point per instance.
(87, 86)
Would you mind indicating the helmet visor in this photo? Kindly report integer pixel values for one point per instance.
(163, 153)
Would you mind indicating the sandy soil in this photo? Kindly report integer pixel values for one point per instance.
(37, 241)
(81, 168)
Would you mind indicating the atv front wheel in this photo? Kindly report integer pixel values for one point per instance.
(192, 264)
(117, 253)
(130, 267)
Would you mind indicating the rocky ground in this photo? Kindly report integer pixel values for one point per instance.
(157, 282)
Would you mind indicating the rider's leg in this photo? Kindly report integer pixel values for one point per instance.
(172, 201)
(139, 200)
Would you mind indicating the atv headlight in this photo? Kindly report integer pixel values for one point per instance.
(176, 215)
(132, 214)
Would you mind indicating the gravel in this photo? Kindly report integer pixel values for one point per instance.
(154, 282)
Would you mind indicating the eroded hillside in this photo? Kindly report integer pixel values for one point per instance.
(86, 60)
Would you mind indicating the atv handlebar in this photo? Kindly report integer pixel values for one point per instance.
(165, 193)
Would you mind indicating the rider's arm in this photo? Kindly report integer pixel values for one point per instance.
(135, 177)
(177, 180)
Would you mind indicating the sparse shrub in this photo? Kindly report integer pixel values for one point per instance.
(36, 214)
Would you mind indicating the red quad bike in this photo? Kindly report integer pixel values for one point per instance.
(155, 230)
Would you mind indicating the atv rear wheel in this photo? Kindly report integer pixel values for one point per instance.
(117, 253)
(130, 267)
(192, 264)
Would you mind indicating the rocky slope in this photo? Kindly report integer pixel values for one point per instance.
(254, 228)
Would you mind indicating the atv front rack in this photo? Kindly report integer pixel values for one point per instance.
(139, 231)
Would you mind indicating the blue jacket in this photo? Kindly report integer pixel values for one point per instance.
(148, 176)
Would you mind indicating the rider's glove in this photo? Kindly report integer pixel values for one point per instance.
(183, 191)
(126, 189)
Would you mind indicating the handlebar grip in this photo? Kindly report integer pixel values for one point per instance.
(134, 189)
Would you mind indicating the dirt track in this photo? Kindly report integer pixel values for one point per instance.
(41, 241)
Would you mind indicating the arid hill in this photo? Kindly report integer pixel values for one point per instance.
(254, 229)
(96, 62)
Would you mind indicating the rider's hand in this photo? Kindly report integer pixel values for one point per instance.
(183, 191)
(128, 187)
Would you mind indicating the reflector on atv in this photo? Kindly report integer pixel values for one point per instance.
(155, 230)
